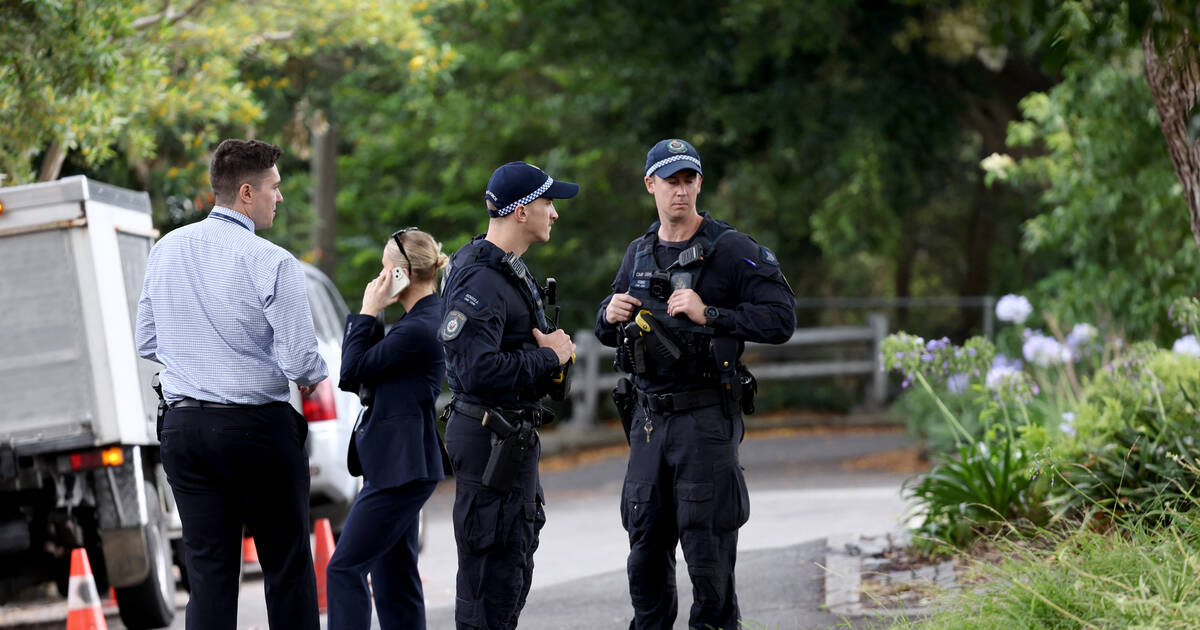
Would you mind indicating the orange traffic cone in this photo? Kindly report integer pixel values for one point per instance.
(83, 602)
(324, 551)
(249, 551)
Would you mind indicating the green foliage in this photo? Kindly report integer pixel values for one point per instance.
(1185, 314)
(820, 137)
(986, 485)
(842, 134)
(924, 419)
(1137, 575)
(1114, 239)
(1122, 442)
(75, 73)
(1135, 448)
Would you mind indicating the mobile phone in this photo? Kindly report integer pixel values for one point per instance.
(399, 280)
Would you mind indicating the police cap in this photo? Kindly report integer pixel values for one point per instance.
(518, 183)
(671, 156)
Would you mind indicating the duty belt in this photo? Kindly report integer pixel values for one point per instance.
(534, 417)
(680, 401)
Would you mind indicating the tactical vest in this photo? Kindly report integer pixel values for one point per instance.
(514, 270)
(697, 361)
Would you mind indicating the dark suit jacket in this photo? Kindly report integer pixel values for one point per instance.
(397, 440)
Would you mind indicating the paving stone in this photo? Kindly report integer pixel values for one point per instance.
(928, 574)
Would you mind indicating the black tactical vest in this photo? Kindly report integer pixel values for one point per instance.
(653, 286)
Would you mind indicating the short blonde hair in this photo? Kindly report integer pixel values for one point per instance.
(424, 255)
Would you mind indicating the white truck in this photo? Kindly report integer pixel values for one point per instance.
(79, 460)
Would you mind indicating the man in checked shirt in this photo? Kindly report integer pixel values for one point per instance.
(226, 312)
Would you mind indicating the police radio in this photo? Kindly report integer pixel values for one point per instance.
(560, 382)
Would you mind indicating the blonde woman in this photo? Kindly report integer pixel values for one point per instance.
(396, 439)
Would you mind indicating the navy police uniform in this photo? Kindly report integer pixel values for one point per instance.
(684, 484)
(397, 445)
(497, 376)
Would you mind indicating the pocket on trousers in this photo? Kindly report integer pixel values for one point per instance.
(482, 522)
(735, 499)
(534, 513)
(696, 508)
(637, 506)
(468, 612)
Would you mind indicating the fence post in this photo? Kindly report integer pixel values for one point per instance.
(585, 393)
(879, 329)
(989, 315)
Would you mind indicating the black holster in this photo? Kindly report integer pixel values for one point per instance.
(156, 385)
(625, 398)
(725, 352)
(509, 445)
(749, 387)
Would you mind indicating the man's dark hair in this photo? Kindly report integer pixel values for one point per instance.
(238, 162)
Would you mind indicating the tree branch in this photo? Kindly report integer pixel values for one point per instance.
(168, 16)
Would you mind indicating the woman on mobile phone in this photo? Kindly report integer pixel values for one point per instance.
(400, 374)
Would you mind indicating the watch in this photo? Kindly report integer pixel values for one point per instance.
(710, 315)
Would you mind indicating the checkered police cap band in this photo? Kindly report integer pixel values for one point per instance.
(506, 210)
(674, 158)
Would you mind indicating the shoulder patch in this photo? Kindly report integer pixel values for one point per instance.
(768, 256)
(452, 326)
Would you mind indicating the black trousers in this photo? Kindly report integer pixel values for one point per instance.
(496, 533)
(684, 486)
(380, 538)
(227, 467)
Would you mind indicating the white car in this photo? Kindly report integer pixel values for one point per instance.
(330, 412)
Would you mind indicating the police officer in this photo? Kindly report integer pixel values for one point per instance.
(689, 293)
(502, 357)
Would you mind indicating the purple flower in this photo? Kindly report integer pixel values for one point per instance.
(1044, 350)
(1001, 360)
(1080, 335)
(1186, 345)
(1013, 308)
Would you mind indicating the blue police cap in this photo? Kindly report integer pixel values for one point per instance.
(671, 156)
(518, 183)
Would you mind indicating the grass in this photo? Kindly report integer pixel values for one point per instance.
(1124, 575)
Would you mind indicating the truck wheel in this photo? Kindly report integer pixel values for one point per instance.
(151, 604)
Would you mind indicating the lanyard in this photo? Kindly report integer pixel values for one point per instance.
(217, 215)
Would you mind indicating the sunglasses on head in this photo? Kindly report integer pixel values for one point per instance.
(396, 237)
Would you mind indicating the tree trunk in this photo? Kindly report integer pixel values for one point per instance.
(1175, 83)
(52, 162)
(324, 176)
(902, 279)
(980, 233)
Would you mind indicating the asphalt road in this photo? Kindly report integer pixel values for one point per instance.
(805, 484)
